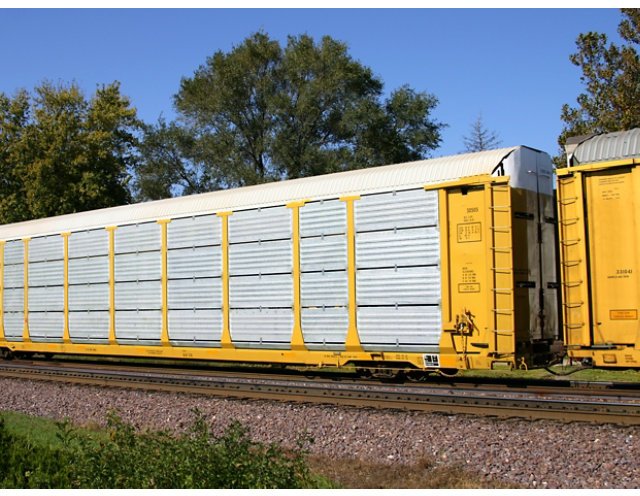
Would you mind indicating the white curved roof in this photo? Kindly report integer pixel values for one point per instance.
(608, 147)
(398, 176)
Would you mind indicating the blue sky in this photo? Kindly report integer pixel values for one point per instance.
(510, 65)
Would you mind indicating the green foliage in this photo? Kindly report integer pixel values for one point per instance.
(610, 74)
(151, 460)
(60, 153)
(27, 465)
(171, 162)
(262, 112)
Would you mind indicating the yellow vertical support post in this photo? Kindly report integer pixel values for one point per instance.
(297, 338)
(2, 337)
(352, 342)
(164, 337)
(25, 333)
(66, 338)
(225, 339)
(112, 284)
(445, 272)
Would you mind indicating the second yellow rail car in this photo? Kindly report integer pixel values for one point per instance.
(599, 224)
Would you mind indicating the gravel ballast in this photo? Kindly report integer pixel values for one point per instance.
(542, 453)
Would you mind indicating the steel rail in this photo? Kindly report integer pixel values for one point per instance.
(563, 406)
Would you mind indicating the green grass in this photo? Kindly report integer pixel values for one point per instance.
(573, 373)
(43, 431)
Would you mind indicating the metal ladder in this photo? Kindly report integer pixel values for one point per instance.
(570, 225)
(502, 265)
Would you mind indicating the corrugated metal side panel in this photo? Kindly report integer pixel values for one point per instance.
(413, 208)
(13, 325)
(13, 299)
(323, 218)
(138, 295)
(609, 147)
(89, 297)
(46, 273)
(14, 276)
(138, 237)
(13, 252)
(402, 286)
(46, 298)
(325, 328)
(410, 328)
(404, 247)
(397, 274)
(204, 230)
(46, 248)
(402, 176)
(328, 289)
(263, 224)
(323, 253)
(89, 270)
(144, 326)
(205, 261)
(89, 326)
(189, 327)
(269, 257)
(272, 291)
(46, 326)
(88, 243)
(194, 293)
(138, 267)
(266, 328)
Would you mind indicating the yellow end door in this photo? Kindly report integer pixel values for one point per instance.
(614, 240)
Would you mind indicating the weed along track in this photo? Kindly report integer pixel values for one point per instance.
(620, 407)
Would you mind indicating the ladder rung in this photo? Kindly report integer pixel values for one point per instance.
(568, 201)
(573, 305)
(506, 290)
(572, 263)
(569, 242)
(502, 310)
(573, 326)
(572, 284)
(572, 220)
(506, 331)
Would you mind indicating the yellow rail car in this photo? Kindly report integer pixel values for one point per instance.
(437, 264)
(599, 226)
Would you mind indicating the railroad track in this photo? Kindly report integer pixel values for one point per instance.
(540, 401)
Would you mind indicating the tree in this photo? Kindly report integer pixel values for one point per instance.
(262, 112)
(60, 153)
(171, 163)
(480, 138)
(611, 75)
